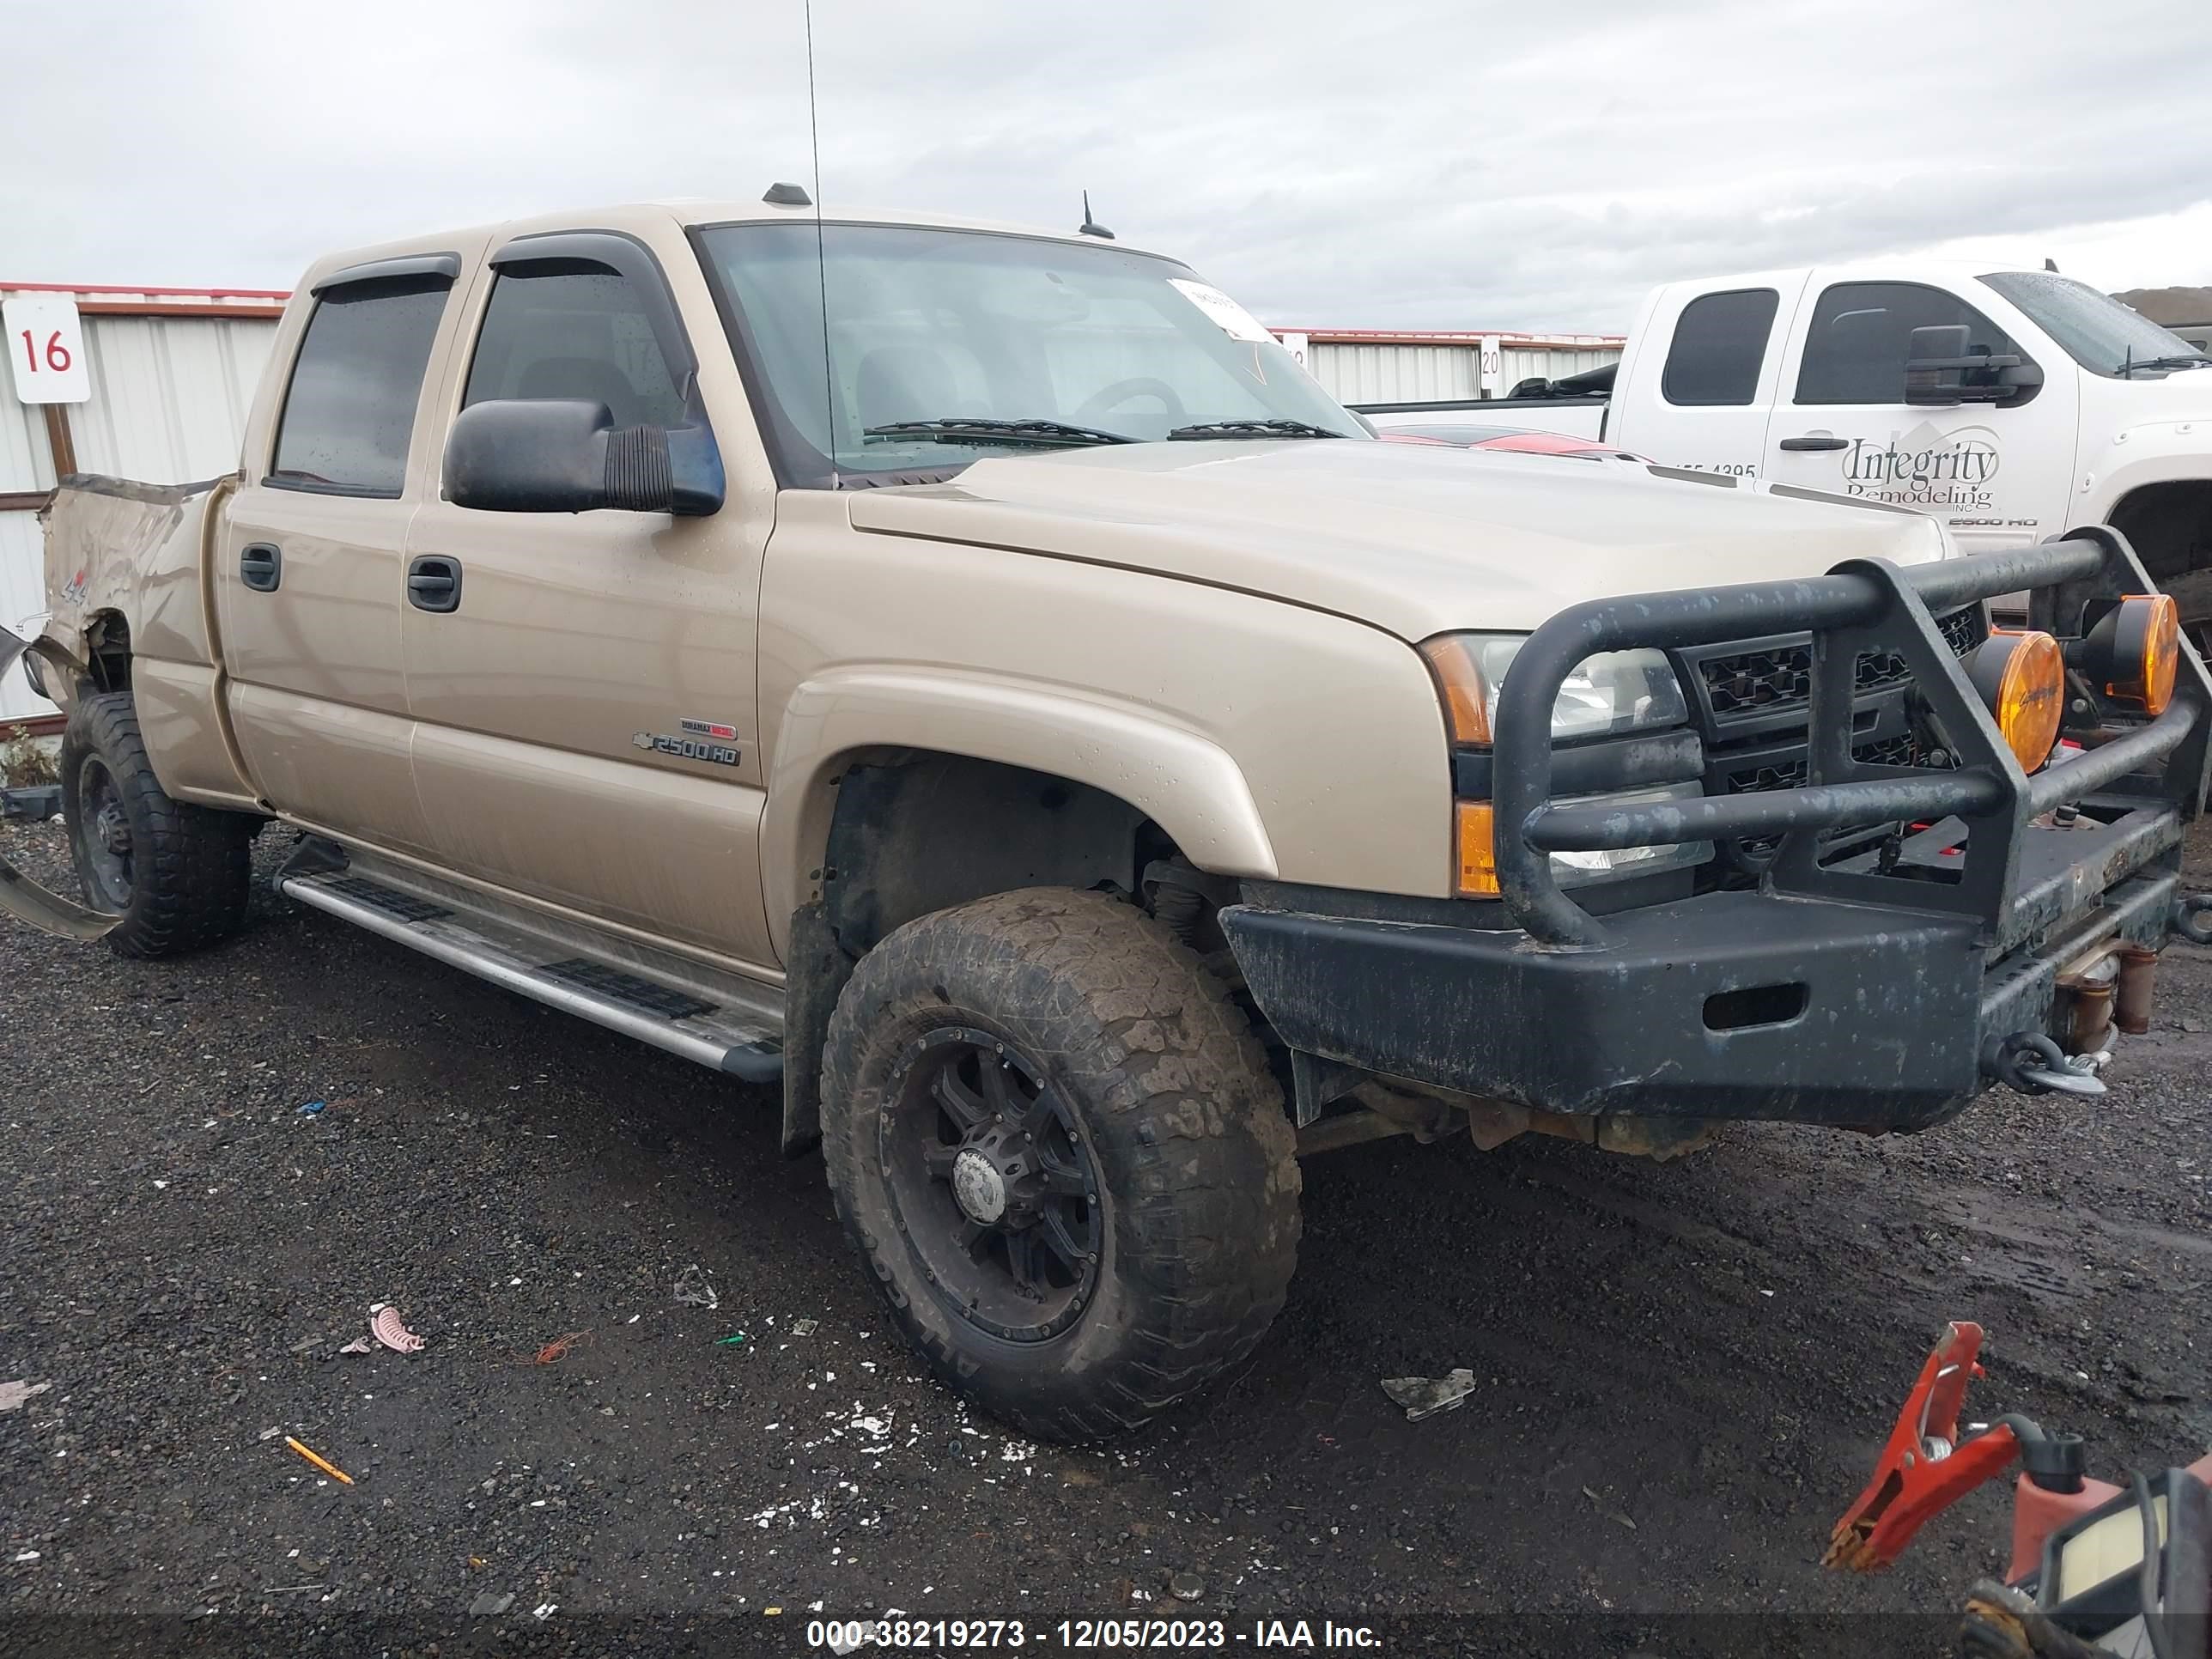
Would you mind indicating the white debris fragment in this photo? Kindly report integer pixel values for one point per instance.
(1425, 1396)
(13, 1395)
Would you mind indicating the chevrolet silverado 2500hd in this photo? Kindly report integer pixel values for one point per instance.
(2009, 404)
(974, 678)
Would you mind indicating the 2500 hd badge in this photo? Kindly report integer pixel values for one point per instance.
(696, 742)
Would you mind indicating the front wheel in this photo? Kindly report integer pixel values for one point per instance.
(1056, 1142)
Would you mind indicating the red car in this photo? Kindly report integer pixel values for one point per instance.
(1520, 439)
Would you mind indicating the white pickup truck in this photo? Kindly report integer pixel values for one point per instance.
(2010, 403)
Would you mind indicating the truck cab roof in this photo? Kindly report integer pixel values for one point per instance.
(689, 211)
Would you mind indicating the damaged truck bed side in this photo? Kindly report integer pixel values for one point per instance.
(1013, 708)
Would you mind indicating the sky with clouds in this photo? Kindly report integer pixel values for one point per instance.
(1394, 163)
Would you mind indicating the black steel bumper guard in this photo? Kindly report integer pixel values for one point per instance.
(1869, 991)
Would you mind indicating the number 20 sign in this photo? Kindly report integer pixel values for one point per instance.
(45, 348)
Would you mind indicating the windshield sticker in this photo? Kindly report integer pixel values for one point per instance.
(1230, 318)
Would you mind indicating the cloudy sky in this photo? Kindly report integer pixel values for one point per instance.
(1393, 162)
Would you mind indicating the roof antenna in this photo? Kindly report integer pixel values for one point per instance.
(1090, 227)
(820, 259)
(2051, 265)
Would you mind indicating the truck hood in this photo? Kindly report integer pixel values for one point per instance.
(2185, 395)
(1408, 538)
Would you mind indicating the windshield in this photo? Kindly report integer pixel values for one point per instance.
(959, 327)
(2094, 330)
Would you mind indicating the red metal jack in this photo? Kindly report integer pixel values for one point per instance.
(1924, 1468)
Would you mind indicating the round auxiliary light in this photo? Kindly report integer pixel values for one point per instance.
(2022, 676)
(2146, 650)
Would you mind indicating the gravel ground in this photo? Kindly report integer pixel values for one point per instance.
(1684, 1369)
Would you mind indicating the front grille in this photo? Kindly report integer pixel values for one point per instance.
(1900, 750)
(1775, 679)
(1965, 629)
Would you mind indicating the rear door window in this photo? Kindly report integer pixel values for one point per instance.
(350, 408)
(574, 334)
(1720, 342)
(1862, 332)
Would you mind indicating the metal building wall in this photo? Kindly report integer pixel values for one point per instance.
(169, 399)
(1407, 372)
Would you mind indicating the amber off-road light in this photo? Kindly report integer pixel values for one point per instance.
(2140, 644)
(2022, 677)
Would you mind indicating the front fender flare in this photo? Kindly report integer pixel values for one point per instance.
(1182, 780)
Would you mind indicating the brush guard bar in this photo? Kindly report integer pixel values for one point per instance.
(1863, 605)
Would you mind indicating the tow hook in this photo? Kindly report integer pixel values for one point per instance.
(2192, 919)
(2032, 1063)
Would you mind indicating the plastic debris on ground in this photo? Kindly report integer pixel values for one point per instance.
(13, 1395)
(359, 1345)
(387, 1327)
(1186, 1586)
(1610, 1515)
(313, 1108)
(804, 1327)
(729, 1341)
(490, 1605)
(693, 1290)
(1425, 1396)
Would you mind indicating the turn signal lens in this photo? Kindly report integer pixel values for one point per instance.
(1477, 860)
(2022, 678)
(2146, 650)
(1459, 682)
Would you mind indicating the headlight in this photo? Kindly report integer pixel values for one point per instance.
(1477, 860)
(1605, 695)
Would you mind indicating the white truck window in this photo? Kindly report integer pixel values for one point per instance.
(1860, 334)
(350, 409)
(1720, 341)
(573, 334)
(2092, 328)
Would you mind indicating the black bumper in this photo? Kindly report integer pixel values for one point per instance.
(1878, 1016)
(1868, 990)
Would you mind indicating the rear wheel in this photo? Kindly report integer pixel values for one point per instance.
(178, 875)
(1055, 1141)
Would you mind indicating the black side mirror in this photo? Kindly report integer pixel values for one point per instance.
(1937, 364)
(567, 455)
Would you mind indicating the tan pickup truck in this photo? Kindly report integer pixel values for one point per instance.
(973, 678)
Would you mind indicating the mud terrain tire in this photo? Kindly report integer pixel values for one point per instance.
(178, 875)
(1159, 1092)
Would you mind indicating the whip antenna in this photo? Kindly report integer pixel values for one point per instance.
(821, 259)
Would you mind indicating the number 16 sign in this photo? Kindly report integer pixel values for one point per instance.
(45, 348)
